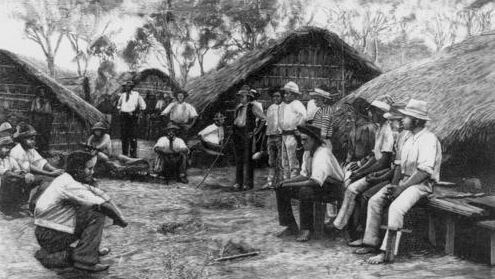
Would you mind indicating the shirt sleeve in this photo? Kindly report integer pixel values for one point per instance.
(192, 111)
(258, 112)
(162, 143)
(208, 130)
(301, 111)
(427, 154)
(141, 102)
(82, 194)
(320, 168)
(387, 141)
(168, 108)
(180, 144)
(304, 167)
(119, 103)
(36, 159)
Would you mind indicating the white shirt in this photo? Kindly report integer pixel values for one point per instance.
(422, 151)
(322, 165)
(399, 144)
(294, 115)
(26, 158)
(274, 115)
(51, 208)
(312, 109)
(180, 113)
(135, 101)
(164, 143)
(212, 134)
(384, 140)
(8, 164)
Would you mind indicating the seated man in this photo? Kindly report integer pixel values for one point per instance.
(212, 136)
(15, 184)
(69, 210)
(420, 161)
(320, 175)
(172, 151)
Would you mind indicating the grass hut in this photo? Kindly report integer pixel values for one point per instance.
(458, 83)
(72, 116)
(310, 56)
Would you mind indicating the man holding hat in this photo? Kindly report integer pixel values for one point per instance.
(380, 159)
(172, 151)
(294, 115)
(324, 113)
(420, 161)
(181, 113)
(212, 137)
(320, 175)
(245, 117)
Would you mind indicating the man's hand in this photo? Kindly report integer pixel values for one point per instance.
(28, 178)
(393, 191)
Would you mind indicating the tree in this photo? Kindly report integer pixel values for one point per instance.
(442, 30)
(137, 49)
(43, 24)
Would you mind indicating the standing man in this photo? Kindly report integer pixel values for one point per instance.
(421, 157)
(42, 118)
(181, 114)
(244, 124)
(294, 115)
(274, 115)
(324, 113)
(130, 105)
(320, 175)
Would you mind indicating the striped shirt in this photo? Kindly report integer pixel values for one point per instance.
(323, 119)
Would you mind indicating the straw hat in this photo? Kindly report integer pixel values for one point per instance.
(310, 130)
(25, 131)
(99, 126)
(6, 141)
(383, 103)
(394, 113)
(291, 87)
(246, 91)
(322, 93)
(417, 109)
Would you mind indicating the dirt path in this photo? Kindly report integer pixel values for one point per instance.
(198, 223)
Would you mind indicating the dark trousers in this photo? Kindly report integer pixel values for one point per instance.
(128, 127)
(14, 192)
(243, 152)
(42, 122)
(89, 229)
(176, 162)
(306, 196)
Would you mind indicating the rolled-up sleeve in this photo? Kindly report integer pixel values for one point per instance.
(427, 154)
(320, 168)
(36, 159)
(82, 194)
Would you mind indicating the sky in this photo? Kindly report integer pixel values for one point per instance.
(124, 25)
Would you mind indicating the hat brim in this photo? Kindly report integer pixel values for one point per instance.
(316, 94)
(305, 130)
(26, 134)
(99, 128)
(414, 114)
(381, 105)
(9, 143)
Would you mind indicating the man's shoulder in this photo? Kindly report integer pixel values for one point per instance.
(17, 150)
(428, 135)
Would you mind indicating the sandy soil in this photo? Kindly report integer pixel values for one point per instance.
(175, 231)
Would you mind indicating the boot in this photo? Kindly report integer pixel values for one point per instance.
(345, 211)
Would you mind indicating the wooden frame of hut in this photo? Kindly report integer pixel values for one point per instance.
(72, 116)
(310, 56)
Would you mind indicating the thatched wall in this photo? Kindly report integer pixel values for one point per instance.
(72, 115)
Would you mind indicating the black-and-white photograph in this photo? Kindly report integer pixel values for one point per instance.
(194, 139)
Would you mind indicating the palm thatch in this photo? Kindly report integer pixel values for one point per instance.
(458, 85)
(207, 89)
(85, 111)
(137, 77)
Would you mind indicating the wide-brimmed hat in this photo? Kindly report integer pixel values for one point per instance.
(417, 109)
(245, 90)
(383, 103)
(6, 141)
(310, 130)
(5, 127)
(394, 113)
(291, 87)
(317, 92)
(172, 126)
(25, 131)
(99, 126)
(219, 116)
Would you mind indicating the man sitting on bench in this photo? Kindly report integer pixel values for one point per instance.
(421, 156)
(320, 175)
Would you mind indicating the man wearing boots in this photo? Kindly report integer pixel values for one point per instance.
(420, 161)
(129, 105)
(320, 175)
(172, 151)
(69, 210)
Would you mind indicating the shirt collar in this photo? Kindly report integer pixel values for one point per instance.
(416, 136)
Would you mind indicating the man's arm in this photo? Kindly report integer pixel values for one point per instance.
(168, 108)
(141, 102)
(301, 183)
(109, 209)
(376, 165)
(119, 103)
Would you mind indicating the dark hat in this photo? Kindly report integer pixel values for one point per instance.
(245, 90)
(99, 126)
(310, 130)
(6, 141)
(255, 93)
(181, 91)
(25, 131)
(172, 126)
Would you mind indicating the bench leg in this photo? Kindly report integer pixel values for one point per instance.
(492, 248)
(450, 235)
(319, 209)
(432, 237)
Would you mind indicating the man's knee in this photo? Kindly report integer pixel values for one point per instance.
(306, 193)
(396, 210)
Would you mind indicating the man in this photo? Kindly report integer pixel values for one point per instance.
(129, 105)
(244, 124)
(320, 175)
(379, 160)
(212, 136)
(15, 184)
(420, 161)
(294, 115)
(42, 118)
(274, 115)
(172, 151)
(70, 210)
(181, 114)
(323, 115)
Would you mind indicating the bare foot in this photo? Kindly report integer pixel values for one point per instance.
(289, 231)
(378, 259)
(356, 243)
(304, 236)
(365, 250)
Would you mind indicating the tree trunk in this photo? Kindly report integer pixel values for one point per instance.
(201, 66)
(50, 61)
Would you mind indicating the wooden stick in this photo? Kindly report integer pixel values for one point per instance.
(237, 256)
(402, 230)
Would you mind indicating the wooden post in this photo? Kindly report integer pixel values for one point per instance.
(449, 235)
(492, 248)
(432, 237)
(318, 219)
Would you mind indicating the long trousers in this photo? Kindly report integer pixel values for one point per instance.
(290, 163)
(89, 229)
(398, 208)
(306, 196)
(274, 147)
(243, 152)
(42, 122)
(128, 127)
(348, 204)
(175, 162)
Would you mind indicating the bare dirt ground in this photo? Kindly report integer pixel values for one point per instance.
(176, 230)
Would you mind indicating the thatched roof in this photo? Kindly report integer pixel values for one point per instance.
(136, 77)
(458, 84)
(206, 89)
(84, 110)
